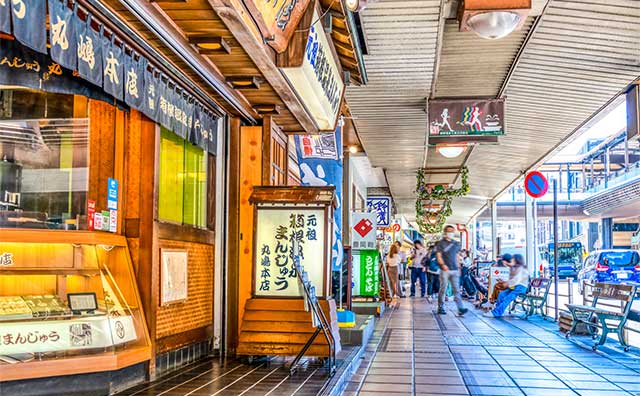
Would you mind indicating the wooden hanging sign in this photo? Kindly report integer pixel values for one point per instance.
(277, 19)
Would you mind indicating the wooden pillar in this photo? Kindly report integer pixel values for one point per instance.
(233, 236)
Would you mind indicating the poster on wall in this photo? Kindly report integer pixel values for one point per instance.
(276, 231)
(366, 273)
(173, 276)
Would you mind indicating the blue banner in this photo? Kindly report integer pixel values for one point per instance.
(320, 162)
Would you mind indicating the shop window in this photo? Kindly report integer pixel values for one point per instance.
(44, 174)
(182, 183)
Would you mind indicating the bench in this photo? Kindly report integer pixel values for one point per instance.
(534, 300)
(611, 317)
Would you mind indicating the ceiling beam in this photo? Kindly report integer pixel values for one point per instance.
(238, 20)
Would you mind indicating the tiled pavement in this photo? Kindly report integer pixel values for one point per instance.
(212, 377)
(419, 353)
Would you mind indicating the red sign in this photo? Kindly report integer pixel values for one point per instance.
(536, 184)
(363, 227)
(91, 211)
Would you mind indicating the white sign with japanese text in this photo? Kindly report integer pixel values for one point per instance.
(62, 335)
(276, 230)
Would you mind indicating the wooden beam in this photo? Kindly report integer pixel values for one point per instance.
(237, 18)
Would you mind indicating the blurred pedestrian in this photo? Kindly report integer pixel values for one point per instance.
(433, 275)
(418, 268)
(517, 284)
(447, 250)
(393, 263)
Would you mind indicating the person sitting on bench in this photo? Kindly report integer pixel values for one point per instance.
(517, 284)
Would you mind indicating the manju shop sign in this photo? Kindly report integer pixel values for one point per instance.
(466, 117)
(318, 80)
(277, 231)
(277, 19)
(366, 274)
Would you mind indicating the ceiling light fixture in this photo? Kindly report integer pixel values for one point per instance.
(353, 149)
(356, 5)
(493, 19)
(494, 25)
(451, 150)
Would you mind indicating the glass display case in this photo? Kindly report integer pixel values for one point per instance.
(71, 298)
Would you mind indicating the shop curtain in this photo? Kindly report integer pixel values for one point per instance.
(29, 23)
(62, 35)
(89, 52)
(134, 80)
(113, 69)
(5, 17)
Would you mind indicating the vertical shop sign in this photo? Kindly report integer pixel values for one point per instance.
(91, 212)
(366, 273)
(89, 46)
(112, 194)
(29, 23)
(382, 207)
(363, 233)
(320, 162)
(276, 232)
(113, 69)
(62, 34)
(318, 81)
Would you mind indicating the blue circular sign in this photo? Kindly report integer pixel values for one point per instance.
(536, 184)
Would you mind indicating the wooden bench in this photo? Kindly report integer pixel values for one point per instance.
(534, 300)
(611, 317)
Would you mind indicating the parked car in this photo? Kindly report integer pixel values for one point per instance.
(612, 266)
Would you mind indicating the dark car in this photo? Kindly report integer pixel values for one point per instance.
(611, 266)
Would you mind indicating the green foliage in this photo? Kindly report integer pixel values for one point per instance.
(429, 221)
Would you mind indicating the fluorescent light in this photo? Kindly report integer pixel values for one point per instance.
(494, 24)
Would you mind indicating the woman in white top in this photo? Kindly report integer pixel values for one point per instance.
(518, 284)
(393, 260)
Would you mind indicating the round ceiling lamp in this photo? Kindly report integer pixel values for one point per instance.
(494, 24)
(356, 5)
(451, 150)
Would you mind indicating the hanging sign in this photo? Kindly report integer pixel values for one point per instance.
(466, 117)
(318, 81)
(382, 207)
(366, 273)
(633, 110)
(276, 231)
(320, 163)
(277, 19)
(536, 184)
(363, 233)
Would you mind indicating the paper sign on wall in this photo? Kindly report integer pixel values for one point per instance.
(363, 232)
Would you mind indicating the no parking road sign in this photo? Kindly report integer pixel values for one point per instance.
(536, 184)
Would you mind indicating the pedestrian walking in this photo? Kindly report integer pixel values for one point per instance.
(447, 250)
(393, 263)
(418, 268)
(433, 275)
(517, 284)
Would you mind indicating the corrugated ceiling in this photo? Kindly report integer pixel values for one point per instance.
(389, 111)
(582, 54)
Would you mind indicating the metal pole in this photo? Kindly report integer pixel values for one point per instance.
(555, 244)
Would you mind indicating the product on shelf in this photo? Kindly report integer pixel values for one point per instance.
(46, 305)
(14, 307)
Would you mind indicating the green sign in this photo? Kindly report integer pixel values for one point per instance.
(366, 274)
